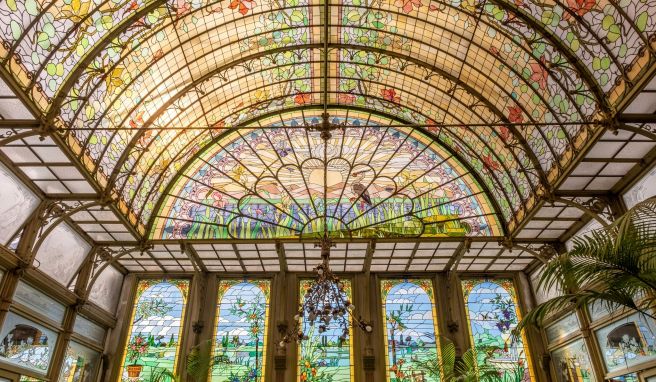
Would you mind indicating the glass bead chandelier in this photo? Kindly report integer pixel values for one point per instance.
(325, 303)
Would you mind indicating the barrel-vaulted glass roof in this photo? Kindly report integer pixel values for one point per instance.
(482, 103)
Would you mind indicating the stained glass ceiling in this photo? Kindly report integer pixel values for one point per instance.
(146, 94)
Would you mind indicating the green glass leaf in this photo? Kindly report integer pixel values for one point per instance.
(16, 29)
(641, 21)
(378, 24)
(297, 16)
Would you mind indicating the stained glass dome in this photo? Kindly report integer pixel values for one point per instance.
(172, 171)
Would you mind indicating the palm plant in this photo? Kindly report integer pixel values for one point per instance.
(614, 266)
(448, 368)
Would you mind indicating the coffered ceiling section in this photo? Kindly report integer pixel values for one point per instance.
(150, 95)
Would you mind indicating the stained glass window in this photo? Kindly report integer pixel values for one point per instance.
(572, 363)
(627, 342)
(323, 357)
(155, 330)
(80, 364)
(241, 330)
(26, 343)
(411, 334)
(493, 312)
(270, 183)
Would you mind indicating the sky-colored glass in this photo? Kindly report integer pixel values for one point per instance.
(493, 312)
(241, 330)
(411, 335)
(322, 357)
(156, 327)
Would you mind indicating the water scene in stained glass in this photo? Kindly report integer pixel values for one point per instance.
(26, 343)
(493, 313)
(322, 356)
(154, 338)
(627, 342)
(241, 331)
(409, 314)
(572, 363)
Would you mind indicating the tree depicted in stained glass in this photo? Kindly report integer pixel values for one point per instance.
(241, 331)
(493, 313)
(154, 338)
(411, 332)
(323, 356)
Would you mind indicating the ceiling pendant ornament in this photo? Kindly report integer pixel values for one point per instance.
(325, 303)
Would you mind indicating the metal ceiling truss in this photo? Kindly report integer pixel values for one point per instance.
(56, 212)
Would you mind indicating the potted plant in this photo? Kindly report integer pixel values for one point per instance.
(137, 347)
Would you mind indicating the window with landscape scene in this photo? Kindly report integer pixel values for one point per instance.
(493, 313)
(326, 355)
(241, 330)
(410, 330)
(155, 330)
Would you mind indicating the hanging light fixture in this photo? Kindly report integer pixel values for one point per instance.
(325, 303)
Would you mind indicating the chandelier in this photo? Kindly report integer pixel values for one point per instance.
(325, 303)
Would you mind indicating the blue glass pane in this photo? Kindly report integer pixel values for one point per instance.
(493, 314)
(410, 329)
(154, 338)
(241, 334)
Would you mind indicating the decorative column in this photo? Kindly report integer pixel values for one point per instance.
(536, 346)
(117, 338)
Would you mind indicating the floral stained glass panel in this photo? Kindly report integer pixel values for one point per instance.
(409, 314)
(156, 327)
(493, 313)
(572, 363)
(322, 356)
(241, 330)
(627, 342)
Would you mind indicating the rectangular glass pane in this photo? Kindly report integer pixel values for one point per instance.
(493, 312)
(410, 318)
(644, 189)
(89, 330)
(36, 300)
(80, 364)
(323, 356)
(16, 204)
(157, 320)
(562, 328)
(26, 343)
(572, 363)
(597, 310)
(241, 330)
(627, 342)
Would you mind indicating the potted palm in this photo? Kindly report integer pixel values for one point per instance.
(614, 266)
(137, 347)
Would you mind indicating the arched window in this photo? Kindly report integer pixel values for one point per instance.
(411, 332)
(241, 331)
(154, 339)
(323, 356)
(493, 313)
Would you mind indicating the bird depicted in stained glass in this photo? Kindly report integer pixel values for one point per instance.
(359, 189)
